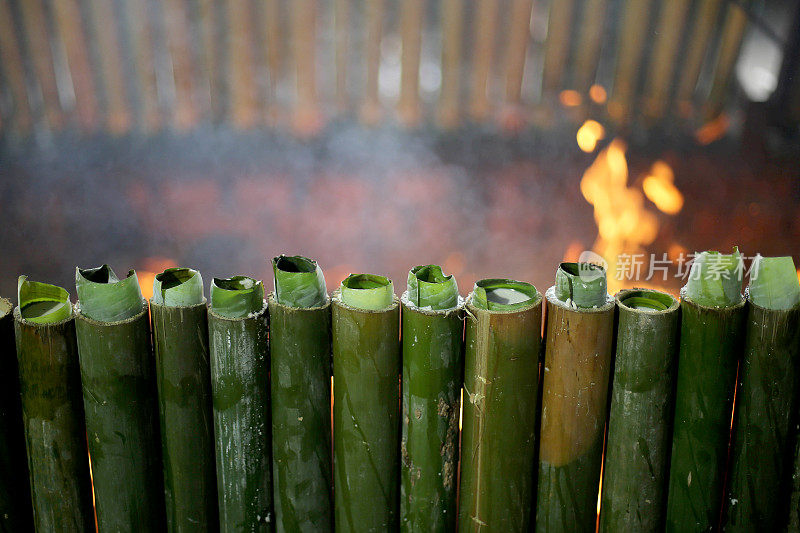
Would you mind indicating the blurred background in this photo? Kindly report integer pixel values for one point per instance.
(494, 137)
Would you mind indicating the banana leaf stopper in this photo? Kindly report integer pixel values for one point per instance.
(429, 287)
(299, 282)
(178, 287)
(773, 283)
(497, 294)
(582, 284)
(106, 298)
(715, 279)
(647, 299)
(236, 297)
(41, 303)
(369, 292)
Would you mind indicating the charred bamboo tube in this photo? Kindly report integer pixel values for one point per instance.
(433, 327)
(640, 423)
(237, 330)
(761, 454)
(52, 409)
(501, 376)
(366, 404)
(579, 330)
(15, 491)
(180, 341)
(300, 353)
(713, 317)
(119, 399)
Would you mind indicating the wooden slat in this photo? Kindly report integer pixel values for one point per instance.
(692, 61)
(672, 22)
(140, 34)
(307, 118)
(14, 72)
(452, 25)
(589, 44)
(244, 107)
(273, 22)
(38, 46)
(176, 21)
(633, 33)
(556, 53)
(483, 57)
(209, 36)
(411, 20)
(341, 57)
(519, 35)
(371, 108)
(730, 43)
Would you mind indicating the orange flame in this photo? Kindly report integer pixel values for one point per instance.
(659, 188)
(589, 134)
(151, 267)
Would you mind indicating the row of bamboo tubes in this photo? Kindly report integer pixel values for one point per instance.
(146, 65)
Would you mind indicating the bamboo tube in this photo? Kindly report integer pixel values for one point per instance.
(34, 27)
(300, 351)
(141, 42)
(516, 49)
(366, 404)
(671, 24)
(640, 422)
(15, 491)
(501, 376)
(730, 43)
(483, 57)
(371, 108)
(589, 44)
(237, 330)
(633, 35)
(119, 398)
(52, 409)
(433, 327)
(118, 116)
(179, 43)
(452, 24)
(557, 47)
(180, 341)
(13, 71)
(579, 329)
(761, 452)
(412, 14)
(692, 62)
(713, 317)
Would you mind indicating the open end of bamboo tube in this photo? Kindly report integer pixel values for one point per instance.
(299, 282)
(497, 294)
(367, 291)
(774, 283)
(41, 303)
(428, 287)
(646, 300)
(581, 285)
(715, 279)
(106, 298)
(236, 297)
(178, 287)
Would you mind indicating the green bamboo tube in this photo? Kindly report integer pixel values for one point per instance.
(15, 491)
(713, 317)
(579, 330)
(237, 331)
(761, 453)
(300, 353)
(366, 404)
(501, 376)
(119, 399)
(180, 342)
(642, 402)
(52, 409)
(433, 328)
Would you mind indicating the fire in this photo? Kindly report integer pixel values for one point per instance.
(589, 134)
(798, 275)
(151, 267)
(570, 98)
(659, 187)
(624, 225)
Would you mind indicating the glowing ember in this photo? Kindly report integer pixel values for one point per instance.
(598, 94)
(589, 134)
(570, 98)
(659, 188)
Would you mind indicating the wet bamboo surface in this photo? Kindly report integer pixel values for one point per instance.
(55, 433)
(180, 343)
(242, 428)
(577, 365)
(16, 512)
(432, 379)
(498, 441)
(366, 417)
(300, 353)
(120, 401)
